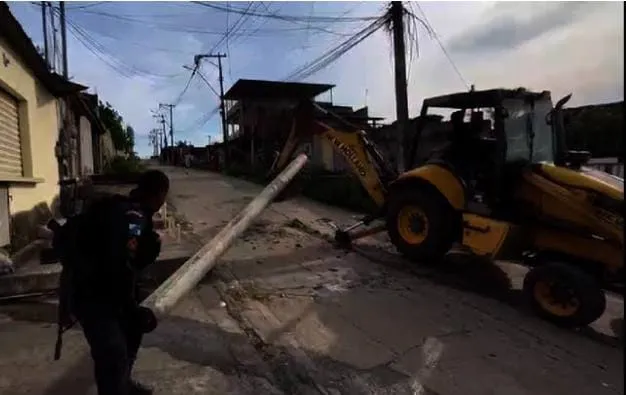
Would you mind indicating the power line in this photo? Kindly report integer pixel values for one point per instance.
(75, 31)
(101, 52)
(335, 53)
(412, 35)
(303, 72)
(208, 83)
(300, 18)
(202, 120)
(236, 27)
(84, 6)
(313, 66)
(228, 32)
(443, 48)
(180, 96)
(180, 29)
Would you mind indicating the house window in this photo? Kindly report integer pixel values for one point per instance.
(10, 145)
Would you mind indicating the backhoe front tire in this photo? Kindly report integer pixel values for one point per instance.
(564, 295)
(421, 224)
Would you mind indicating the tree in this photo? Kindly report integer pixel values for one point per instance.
(123, 137)
(596, 128)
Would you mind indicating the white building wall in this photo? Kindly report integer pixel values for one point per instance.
(86, 147)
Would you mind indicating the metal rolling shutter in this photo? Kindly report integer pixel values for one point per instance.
(10, 147)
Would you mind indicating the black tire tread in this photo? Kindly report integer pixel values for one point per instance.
(593, 300)
(440, 219)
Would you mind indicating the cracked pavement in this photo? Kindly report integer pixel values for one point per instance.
(285, 313)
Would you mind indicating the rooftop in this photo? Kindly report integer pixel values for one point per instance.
(16, 37)
(274, 90)
(486, 98)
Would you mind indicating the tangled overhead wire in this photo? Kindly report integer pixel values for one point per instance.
(335, 53)
(101, 52)
(433, 34)
(180, 96)
(315, 65)
(289, 18)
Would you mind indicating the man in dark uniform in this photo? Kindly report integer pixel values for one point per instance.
(116, 241)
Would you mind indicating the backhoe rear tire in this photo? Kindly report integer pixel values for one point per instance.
(564, 295)
(421, 224)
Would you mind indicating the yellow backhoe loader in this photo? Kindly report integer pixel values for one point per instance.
(497, 179)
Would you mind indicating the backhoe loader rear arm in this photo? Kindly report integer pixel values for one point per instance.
(362, 156)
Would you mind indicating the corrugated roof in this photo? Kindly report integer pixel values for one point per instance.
(486, 98)
(274, 90)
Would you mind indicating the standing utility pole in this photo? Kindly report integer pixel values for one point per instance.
(154, 142)
(171, 107)
(219, 57)
(55, 46)
(402, 105)
(163, 130)
(161, 119)
(63, 38)
(44, 22)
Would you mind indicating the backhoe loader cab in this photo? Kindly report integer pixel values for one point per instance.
(507, 125)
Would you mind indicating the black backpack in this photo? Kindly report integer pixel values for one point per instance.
(70, 242)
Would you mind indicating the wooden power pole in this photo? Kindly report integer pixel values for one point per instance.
(171, 108)
(44, 22)
(219, 57)
(63, 38)
(402, 104)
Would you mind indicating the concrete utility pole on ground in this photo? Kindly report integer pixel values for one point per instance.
(402, 105)
(219, 57)
(183, 280)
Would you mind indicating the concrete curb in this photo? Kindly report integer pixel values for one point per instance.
(44, 278)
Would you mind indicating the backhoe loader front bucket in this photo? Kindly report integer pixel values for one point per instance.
(301, 127)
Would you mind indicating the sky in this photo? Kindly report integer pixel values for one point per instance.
(141, 48)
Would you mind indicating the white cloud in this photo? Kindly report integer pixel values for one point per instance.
(583, 55)
(563, 47)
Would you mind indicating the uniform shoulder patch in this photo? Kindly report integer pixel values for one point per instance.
(135, 223)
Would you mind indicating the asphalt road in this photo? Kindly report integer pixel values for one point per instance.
(286, 313)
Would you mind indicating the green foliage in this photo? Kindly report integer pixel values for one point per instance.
(120, 165)
(596, 128)
(130, 139)
(123, 137)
